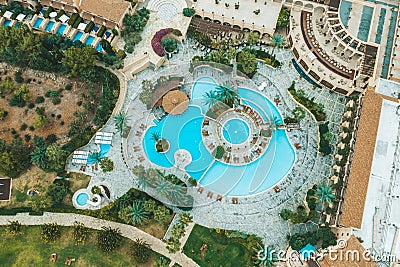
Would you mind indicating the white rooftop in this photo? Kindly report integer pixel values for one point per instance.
(7, 14)
(383, 196)
(20, 17)
(267, 18)
(81, 26)
(64, 18)
(388, 88)
(53, 14)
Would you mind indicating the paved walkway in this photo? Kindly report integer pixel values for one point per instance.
(131, 232)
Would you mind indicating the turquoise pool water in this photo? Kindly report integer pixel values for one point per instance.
(37, 23)
(49, 26)
(7, 22)
(235, 131)
(99, 47)
(344, 11)
(184, 132)
(103, 152)
(381, 22)
(82, 199)
(365, 23)
(61, 29)
(89, 40)
(77, 36)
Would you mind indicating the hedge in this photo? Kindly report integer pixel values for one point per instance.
(101, 32)
(89, 27)
(77, 22)
(48, 11)
(59, 14)
(73, 18)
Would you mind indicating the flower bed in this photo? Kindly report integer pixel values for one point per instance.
(158, 37)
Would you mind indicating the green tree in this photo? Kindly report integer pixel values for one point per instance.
(40, 202)
(109, 239)
(185, 218)
(162, 262)
(50, 232)
(140, 251)
(14, 228)
(324, 194)
(173, 245)
(170, 45)
(120, 121)
(23, 92)
(298, 113)
(39, 157)
(188, 12)
(135, 214)
(56, 157)
(227, 95)
(161, 214)
(7, 86)
(230, 53)
(106, 164)
(277, 41)
(77, 59)
(210, 98)
(247, 61)
(57, 191)
(283, 18)
(39, 121)
(80, 232)
(253, 38)
(285, 214)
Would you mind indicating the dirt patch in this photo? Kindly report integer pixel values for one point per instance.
(59, 116)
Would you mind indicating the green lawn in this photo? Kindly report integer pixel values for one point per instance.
(29, 250)
(222, 251)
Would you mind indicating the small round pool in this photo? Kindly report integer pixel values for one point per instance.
(235, 131)
(82, 199)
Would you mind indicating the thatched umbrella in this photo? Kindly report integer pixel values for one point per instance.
(175, 102)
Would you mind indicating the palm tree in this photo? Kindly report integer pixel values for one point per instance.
(156, 136)
(109, 239)
(39, 157)
(227, 95)
(210, 98)
(265, 256)
(135, 214)
(163, 187)
(277, 41)
(96, 157)
(120, 121)
(324, 195)
(185, 218)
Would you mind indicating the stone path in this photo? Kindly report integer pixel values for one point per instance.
(128, 231)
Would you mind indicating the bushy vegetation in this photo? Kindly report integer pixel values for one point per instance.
(325, 138)
(50, 232)
(109, 239)
(283, 18)
(133, 26)
(323, 236)
(316, 109)
(188, 12)
(14, 158)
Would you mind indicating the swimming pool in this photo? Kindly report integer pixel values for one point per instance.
(235, 131)
(6, 22)
(37, 23)
(99, 47)
(89, 40)
(365, 23)
(104, 148)
(344, 11)
(77, 36)
(82, 199)
(184, 132)
(49, 26)
(61, 29)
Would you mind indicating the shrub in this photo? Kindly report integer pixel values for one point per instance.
(96, 190)
(51, 139)
(89, 27)
(23, 127)
(56, 101)
(39, 99)
(14, 228)
(68, 87)
(18, 77)
(50, 232)
(27, 137)
(140, 251)
(48, 11)
(31, 128)
(58, 116)
(188, 12)
(80, 233)
(101, 32)
(107, 47)
(109, 239)
(79, 103)
(57, 192)
(31, 105)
